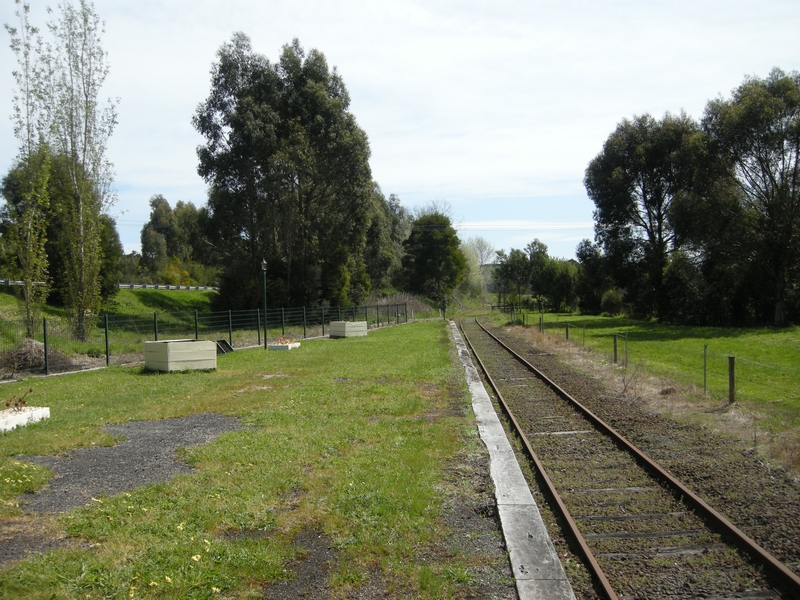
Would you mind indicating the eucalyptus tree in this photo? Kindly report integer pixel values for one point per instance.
(288, 174)
(644, 165)
(757, 133)
(434, 264)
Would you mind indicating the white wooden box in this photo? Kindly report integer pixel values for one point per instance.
(180, 355)
(342, 329)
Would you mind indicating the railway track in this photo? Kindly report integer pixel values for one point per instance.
(639, 532)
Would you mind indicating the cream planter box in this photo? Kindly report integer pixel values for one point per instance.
(180, 355)
(341, 329)
(291, 346)
(11, 418)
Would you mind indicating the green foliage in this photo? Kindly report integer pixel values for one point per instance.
(289, 178)
(701, 224)
(145, 302)
(389, 227)
(611, 302)
(25, 217)
(434, 264)
(644, 165)
(172, 245)
(757, 133)
(521, 273)
(512, 277)
(592, 280)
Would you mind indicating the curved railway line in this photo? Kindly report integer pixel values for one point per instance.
(638, 531)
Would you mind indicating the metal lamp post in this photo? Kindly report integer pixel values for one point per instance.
(264, 272)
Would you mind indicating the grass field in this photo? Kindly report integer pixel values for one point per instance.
(348, 437)
(767, 360)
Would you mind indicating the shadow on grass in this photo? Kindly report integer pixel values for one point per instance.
(158, 300)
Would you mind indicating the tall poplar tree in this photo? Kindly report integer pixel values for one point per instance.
(26, 187)
(79, 127)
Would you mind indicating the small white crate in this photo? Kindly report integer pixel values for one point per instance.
(343, 329)
(180, 355)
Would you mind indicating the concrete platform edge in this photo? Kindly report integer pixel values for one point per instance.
(537, 569)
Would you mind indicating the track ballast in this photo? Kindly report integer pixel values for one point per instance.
(641, 537)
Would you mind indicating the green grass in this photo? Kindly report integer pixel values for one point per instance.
(143, 303)
(136, 303)
(766, 359)
(348, 437)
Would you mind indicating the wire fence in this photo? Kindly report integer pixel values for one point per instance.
(719, 367)
(54, 346)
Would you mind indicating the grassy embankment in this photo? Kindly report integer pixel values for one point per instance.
(137, 303)
(347, 437)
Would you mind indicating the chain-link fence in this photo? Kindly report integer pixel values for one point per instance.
(57, 345)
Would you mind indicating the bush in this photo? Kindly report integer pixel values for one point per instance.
(611, 302)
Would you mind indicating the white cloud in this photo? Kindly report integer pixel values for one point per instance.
(496, 108)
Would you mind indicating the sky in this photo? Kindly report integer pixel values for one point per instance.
(494, 108)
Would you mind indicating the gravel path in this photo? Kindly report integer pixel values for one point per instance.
(146, 456)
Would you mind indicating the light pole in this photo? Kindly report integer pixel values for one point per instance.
(264, 272)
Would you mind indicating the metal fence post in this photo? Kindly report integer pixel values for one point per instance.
(323, 321)
(196, 328)
(304, 322)
(566, 327)
(615, 348)
(731, 379)
(340, 313)
(46, 349)
(230, 328)
(155, 326)
(283, 321)
(258, 324)
(108, 358)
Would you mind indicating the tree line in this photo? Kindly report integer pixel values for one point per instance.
(291, 200)
(699, 222)
(695, 222)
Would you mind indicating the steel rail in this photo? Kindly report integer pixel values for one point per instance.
(584, 549)
(778, 570)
